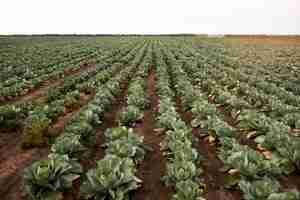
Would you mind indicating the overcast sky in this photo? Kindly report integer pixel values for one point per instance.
(151, 16)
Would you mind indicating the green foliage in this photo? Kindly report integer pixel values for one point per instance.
(180, 171)
(247, 161)
(279, 139)
(103, 77)
(126, 149)
(86, 132)
(218, 127)
(35, 126)
(117, 133)
(260, 189)
(178, 144)
(266, 188)
(8, 113)
(168, 115)
(124, 143)
(137, 95)
(53, 94)
(113, 178)
(72, 99)
(291, 195)
(130, 115)
(12, 116)
(68, 144)
(292, 120)
(55, 109)
(47, 179)
(202, 109)
(188, 190)
(253, 120)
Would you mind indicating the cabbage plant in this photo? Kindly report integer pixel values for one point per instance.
(113, 178)
(130, 115)
(266, 188)
(188, 190)
(180, 171)
(68, 144)
(47, 179)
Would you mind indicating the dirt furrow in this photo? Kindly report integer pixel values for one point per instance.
(153, 168)
(8, 138)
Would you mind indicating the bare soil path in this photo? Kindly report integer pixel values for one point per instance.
(153, 168)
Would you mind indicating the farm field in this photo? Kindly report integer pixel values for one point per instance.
(149, 118)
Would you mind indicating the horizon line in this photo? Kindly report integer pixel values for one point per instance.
(147, 34)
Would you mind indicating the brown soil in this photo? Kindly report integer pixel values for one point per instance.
(264, 40)
(11, 171)
(291, 181)
(152, 169)
(11, 147)
(8, 138)
(213, 178)
(243, 140)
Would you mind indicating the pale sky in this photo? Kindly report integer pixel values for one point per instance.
(152, 16)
